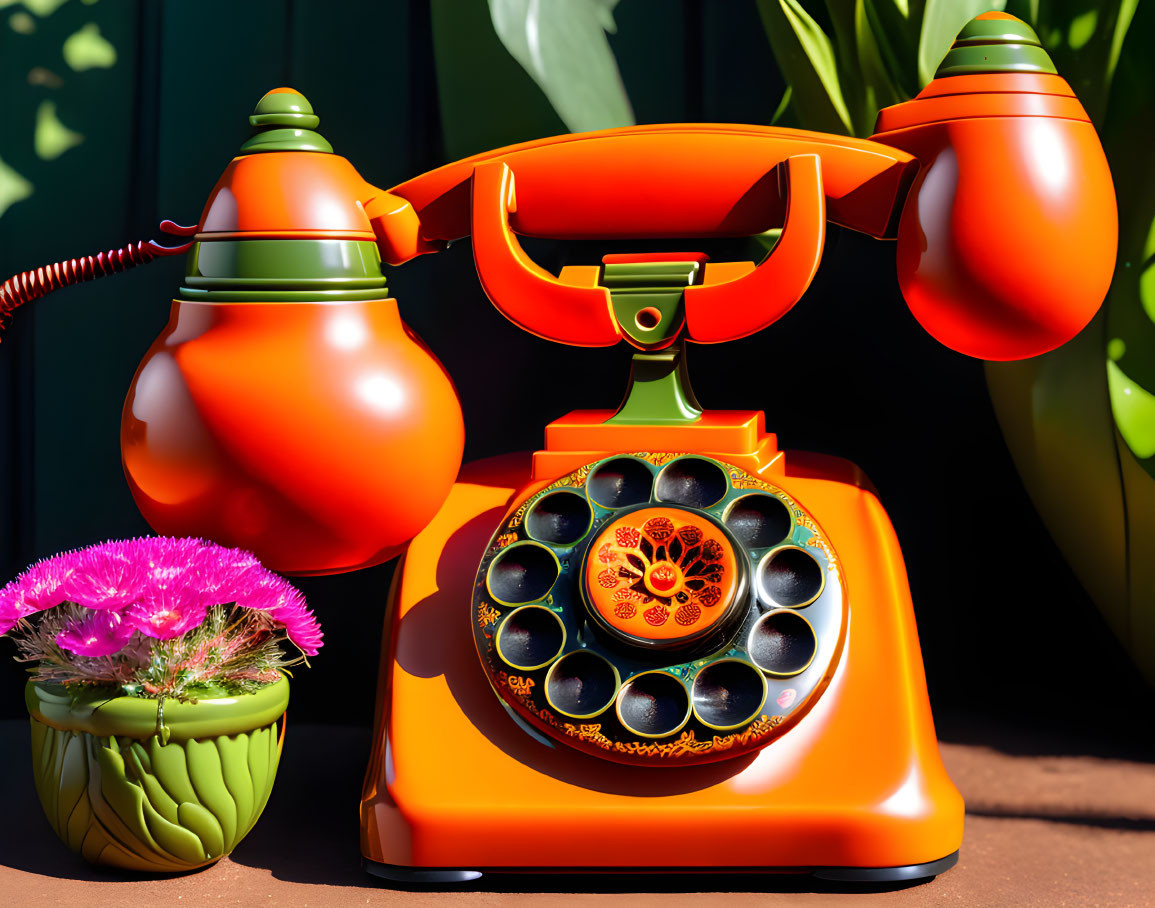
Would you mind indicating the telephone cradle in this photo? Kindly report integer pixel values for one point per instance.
(659, 643)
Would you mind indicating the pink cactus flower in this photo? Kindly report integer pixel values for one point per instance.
(99, 633)
(105, 576)
(164, 614)
(285, 605)
(9, 613)
(160, 586)
(175, 615)
(41, 586)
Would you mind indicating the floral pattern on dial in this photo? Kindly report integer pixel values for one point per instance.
(661, 573)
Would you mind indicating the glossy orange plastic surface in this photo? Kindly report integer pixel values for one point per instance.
(735, 436)
(992, 83)
(737, 308)
(454, 782)
(653, 182)
(521, 290)
(963, 106)
(298, 195)
(583, 315)
(1007, 241)
(263, 195)
(321, 436)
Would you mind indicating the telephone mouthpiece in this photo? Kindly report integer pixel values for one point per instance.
(287, 409)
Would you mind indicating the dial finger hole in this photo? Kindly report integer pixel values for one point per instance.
(653, 705)
(790, 577)
(620, 482)
(522, 572)
(728, 694)
(581, 684)
(693, 482)
(782, 643)
(759, 521)
(559, 518)
(530, 637)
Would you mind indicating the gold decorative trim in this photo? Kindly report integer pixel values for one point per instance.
(487, 614)
(527, 691)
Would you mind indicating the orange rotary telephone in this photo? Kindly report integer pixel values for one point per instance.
(659, 643)
(702, 647)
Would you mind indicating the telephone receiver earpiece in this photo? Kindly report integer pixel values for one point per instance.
(1008, 236)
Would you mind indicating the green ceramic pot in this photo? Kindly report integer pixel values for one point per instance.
(123, 789)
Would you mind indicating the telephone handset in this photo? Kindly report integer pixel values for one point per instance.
(659, 586)
(722, 181)
(1010, 180)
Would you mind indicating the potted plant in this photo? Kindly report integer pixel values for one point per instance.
(157, 694)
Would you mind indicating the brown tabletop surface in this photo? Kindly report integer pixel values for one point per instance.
(1044, 827)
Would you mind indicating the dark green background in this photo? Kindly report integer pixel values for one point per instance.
(1007, 634)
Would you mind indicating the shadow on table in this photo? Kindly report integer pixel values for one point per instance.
(309, 832)
(1095, 820)
(1119, 730)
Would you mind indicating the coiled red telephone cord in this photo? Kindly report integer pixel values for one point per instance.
(30, 285)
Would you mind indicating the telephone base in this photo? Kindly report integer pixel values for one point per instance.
(444, 878)
(855, 789)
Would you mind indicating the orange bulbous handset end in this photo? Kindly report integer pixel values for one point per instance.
(286, 408)
(1007, 240)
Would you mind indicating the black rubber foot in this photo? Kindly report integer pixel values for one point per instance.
(448, 877)
(412, 876)
(906, 873)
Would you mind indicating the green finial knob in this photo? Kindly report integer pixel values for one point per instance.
(995, 43)
(284, 121)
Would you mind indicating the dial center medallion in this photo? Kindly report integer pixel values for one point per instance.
(662, 576)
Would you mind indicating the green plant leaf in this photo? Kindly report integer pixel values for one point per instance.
(896, 32)
(42, 8)
(1123, 19)
(564, 49)
(88, 49)
(806, 58)
(1085, 39)
(1134, 410)
(941, 22)
(783, 112)
(879, 91)
(13, 187)
(1027, 10)
(52, 138)
(486, 100)
(842, 15)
